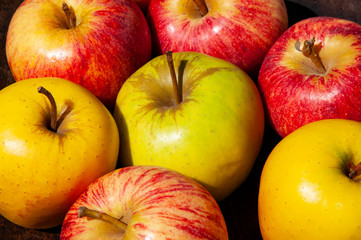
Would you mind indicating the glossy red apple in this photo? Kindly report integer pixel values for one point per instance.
(144, 202)
(97, 44)
(313, 72)
(239, 31)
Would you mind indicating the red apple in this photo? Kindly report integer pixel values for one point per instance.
(313, 72)
(240, 31)
(97, 44)
(144, 202)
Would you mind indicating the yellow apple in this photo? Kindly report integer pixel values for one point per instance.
(44, 167)
(310, 188)
(213, 133)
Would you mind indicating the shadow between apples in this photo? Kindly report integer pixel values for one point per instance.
(297, 12)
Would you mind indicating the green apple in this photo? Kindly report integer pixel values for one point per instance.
(53, 143)
(310, 185)
(212, 133)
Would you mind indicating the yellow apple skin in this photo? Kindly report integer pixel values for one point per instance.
(305, 192)
(214, 135)
(43, 172)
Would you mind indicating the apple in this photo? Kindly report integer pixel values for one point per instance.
(144, 202)
(310, 184)
(210, 129)
(239, 31)
(53, 144)
(312, 72)
(97, 44)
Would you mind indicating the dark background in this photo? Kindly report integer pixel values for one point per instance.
(240, 208)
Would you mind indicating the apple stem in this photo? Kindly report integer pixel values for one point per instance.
(202, 6)
(86, 212)
(53, 115)
(176, 90)
(355, 170)
(312, 51)
(70, 16)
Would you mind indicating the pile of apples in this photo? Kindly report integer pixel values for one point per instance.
(133, 119)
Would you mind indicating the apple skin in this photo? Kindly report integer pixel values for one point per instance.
(293, 90)
(155, 203)
(305, 192)
(240, 31)
(43, 172)
(111, 41)
(214, 135)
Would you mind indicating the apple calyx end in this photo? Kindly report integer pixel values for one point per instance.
(69, 15)
(94, 214)
(354, 171)
(312, 51)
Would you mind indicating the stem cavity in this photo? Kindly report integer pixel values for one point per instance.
(312, 51)
(355, 170)
(55, 119)
(202, 6)
(176, 87)
(86, 212)
(69, 15)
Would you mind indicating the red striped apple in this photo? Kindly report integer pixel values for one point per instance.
(53, 144)
(239, 31)
(210, 130)
(313, 72)
(97, 44)
(144, 202)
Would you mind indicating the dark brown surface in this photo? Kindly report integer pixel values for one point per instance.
(239, 209)
(347, 9)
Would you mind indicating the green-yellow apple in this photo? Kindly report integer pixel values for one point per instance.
(144, 202)
(310, 185)
(97, 44)
(312, 72)
(53, 143)
(211, 132)
(239, 31)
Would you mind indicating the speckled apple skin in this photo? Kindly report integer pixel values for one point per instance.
(42, 172)
(305, 191)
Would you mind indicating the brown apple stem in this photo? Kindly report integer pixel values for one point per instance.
(176, 91)
(355, 170)
(202, 6)
(70, 15)
(86, 212)
(312, 51)
(53, 115)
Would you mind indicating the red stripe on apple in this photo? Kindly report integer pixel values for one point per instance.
(296, 91)
(238, 31)
(156, 203)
